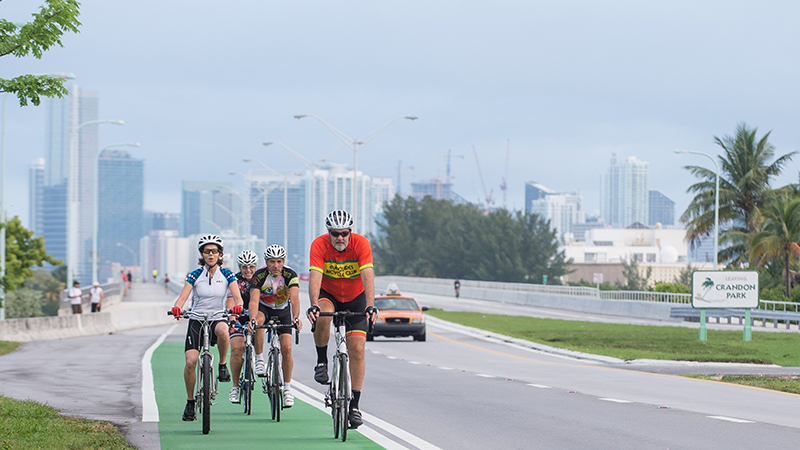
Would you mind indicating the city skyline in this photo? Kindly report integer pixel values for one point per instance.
(567, 84)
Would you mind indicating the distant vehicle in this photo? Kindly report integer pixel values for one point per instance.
(304, 276)
(399, 316)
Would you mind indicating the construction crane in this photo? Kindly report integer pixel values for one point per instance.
(450, 156)
(488, 196)
(504, 185)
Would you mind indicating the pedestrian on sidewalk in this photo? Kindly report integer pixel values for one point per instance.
(124, 283)
(166, 283)
(75, 298)
(130, 279)
(155, 275)
(96, 296)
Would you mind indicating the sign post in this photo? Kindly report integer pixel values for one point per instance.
(724, 289)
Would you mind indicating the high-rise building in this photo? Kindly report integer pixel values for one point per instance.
(624, 192)
(661, 209)
(120, 204)
(309, 197)
(211, 207)
(535, 191)
(54, 220)
(437, 188)
(36, 196)
(63, 116)
(563, 210)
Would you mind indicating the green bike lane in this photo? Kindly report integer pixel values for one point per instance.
(302, 426)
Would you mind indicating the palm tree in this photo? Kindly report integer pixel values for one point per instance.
(779, 233)
(744, 181)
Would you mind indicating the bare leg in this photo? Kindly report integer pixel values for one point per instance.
(355, 347)
(237, 349)
(189, 372)
(286, 356)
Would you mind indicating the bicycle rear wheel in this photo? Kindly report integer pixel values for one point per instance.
(343, 395)
(206, 393)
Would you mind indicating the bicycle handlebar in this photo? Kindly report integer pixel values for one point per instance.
(198, 316)
(272, 324)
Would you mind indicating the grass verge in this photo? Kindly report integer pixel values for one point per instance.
(783, 383)
(8, 347)
(31, 425)
(638, 341)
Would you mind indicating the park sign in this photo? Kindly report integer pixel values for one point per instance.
(724, 289)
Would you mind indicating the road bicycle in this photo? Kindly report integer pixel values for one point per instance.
(206, 382)
(273, 384)
(340, 390)
(247, 381)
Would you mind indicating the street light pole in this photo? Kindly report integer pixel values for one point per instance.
(703, 331)
(71, 203)
(95, 227)
(135, 259)
(353, 144)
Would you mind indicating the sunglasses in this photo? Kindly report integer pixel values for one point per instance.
(210, 251)
(339, 233)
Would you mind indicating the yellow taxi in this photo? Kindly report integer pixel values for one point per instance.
(399, 316)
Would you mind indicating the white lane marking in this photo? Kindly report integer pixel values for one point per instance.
(730, 419)
(149, 405)
(483, 375)
(414, 362)
(316, 399)
(446, 368)
(540, 386)
(615, 400)
(391, 357)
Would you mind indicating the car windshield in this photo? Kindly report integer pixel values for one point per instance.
(396, 303)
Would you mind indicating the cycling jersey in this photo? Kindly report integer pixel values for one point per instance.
(341, 270)
(244, 289)
(210, 292)
(274, 290)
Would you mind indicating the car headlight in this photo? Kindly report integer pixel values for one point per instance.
(420, 320)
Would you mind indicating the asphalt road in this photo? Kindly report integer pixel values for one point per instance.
(457, 390)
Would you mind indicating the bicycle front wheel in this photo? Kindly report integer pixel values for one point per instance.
(206, 390)
(343, 394)
(271, 387)
(246, 385)
(333, 390)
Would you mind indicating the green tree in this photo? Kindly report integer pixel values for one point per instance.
(24, 303)
(744, 181)
(22, 252)
(54, 18)
(43, 281)
(539, 249)
(779, 233)
(685, 277)
(633, 276)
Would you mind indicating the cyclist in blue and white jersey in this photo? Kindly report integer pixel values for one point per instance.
(208, 287)
(247, 262)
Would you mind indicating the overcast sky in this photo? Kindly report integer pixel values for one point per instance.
(202, 84)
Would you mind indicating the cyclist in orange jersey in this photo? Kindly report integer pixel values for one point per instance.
(342, 278)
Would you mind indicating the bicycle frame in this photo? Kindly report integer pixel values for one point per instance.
(273, 383)
(247, 380)
(205, 394)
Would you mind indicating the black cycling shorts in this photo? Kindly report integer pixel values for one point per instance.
(284, 317)
(353, 324)
(193, 341)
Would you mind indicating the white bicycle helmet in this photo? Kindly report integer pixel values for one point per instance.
(275, 251)
(339, 219)
(209, 239)
(247, 258)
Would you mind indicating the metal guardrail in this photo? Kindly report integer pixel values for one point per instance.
(663, 297)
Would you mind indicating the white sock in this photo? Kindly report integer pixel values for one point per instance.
(260, 357)
(287, 386)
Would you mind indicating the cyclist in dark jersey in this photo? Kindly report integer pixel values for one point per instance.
(275, 292)
(247, 262)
